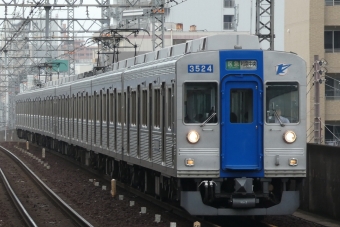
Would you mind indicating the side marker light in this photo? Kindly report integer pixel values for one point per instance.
(293, 162)
(189, 162)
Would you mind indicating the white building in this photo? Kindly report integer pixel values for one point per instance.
(217, 16)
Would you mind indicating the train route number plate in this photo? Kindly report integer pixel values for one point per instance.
(209, 68)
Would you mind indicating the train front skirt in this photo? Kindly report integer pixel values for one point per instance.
(192, 202)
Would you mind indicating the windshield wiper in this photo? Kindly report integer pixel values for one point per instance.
(208, 119)
(278, 118)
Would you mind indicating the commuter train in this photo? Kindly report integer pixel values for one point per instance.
(216, 124)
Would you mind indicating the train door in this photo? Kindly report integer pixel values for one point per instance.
(241, 125)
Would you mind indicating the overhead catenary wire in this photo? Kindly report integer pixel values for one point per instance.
(22, 26)
(310, 128)
(311, 139)
(311, 134)
(38, 4)
(310, 71)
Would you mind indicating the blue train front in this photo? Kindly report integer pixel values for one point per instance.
(241, 131)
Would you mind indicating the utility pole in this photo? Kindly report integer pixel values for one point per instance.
(317, 123)
(236, 17)
(319, 70)
(265, 22)
(157, 14)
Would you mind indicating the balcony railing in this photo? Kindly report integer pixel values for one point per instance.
(332, 142)
(228, 25)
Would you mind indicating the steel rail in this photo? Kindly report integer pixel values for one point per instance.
(166, 206)
(75, 217)
(20, 208)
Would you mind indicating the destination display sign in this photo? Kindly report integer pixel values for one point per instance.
(241, 64)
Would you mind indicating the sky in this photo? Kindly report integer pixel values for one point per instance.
(180, 13)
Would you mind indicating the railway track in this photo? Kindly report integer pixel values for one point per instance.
(113, 206)
(18, 205)
(174, 210)
(71, 217)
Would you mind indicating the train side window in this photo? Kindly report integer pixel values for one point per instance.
(133, 107)
(99, 116)
(157, 108)
(144, 108)
(87, 100)
(74, 115)
(119, 120)
(77, 112)
(200, 102)
(282, 101)
(169, 108)
(124, 118)
(111, 108)
(104, 107)
(90, 108)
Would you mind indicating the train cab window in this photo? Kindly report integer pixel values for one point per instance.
(282, 102)
(200, 102)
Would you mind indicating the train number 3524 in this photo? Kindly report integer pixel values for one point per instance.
(201, 68)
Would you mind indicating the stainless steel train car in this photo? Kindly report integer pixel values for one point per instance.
(216, 124)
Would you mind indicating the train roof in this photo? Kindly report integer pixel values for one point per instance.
(209, 43)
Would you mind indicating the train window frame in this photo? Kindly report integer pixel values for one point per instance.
(281, 104)
(213, 107)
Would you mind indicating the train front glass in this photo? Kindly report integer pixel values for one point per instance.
(282, 99)
(200, 102)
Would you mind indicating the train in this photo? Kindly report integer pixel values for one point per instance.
(216, 124)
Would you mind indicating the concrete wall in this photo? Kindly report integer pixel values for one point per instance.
(321, 190)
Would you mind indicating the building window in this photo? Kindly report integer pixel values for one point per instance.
(332, 2)
(332, 89)
(229, 3)
(332, 133)
(228, 22)
(332, 41)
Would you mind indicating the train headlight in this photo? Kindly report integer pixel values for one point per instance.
(193, 137)
(289, 137)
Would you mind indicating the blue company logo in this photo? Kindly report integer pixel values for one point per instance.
(282, 69)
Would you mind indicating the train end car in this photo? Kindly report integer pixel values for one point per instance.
(241, 131)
